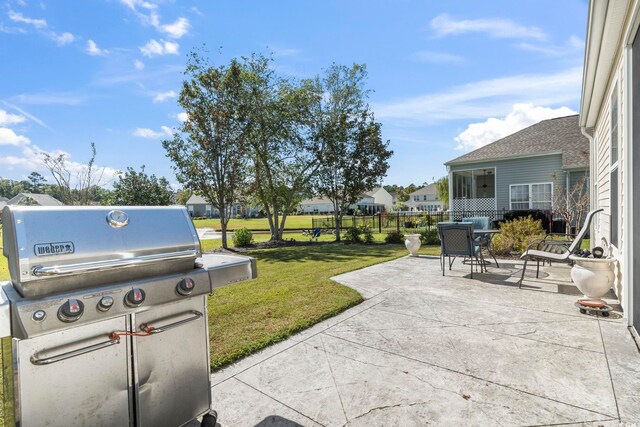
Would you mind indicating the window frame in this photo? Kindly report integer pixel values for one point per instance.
(614, 223)
(530, 201)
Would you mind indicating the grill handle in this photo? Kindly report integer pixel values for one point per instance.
(152, 330)
(53, 359)
(110, 264)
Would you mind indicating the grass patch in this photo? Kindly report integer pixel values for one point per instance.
(293, 291)
(294, 222)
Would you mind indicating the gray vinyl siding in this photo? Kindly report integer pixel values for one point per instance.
(575, 177)
(528, 170)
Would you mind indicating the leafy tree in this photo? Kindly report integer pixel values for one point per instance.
(36, 182)
(208, 151)
(77, 187)
(139, 189)
(284, 151)
(183, 196)
(442, 189)
(355, 158)
(9, 188)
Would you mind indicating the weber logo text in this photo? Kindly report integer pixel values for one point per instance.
(58, 248)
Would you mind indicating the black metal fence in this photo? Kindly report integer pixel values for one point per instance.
(415, 222)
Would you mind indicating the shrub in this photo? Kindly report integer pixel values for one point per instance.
(517, 234)
(394, 237)
(353, 235)
(367, 234)
(429, 237)
(358, 234)
(242, 237)
(536, 214)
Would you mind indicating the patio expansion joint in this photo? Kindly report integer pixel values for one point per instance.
(333, 378)
(606, 358)
(475, 377)
(293, 345)
(476, 328)
(282, 403)
(573, 423)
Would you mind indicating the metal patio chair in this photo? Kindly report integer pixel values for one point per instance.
(555, 250)
(456, 239)
(484, 240)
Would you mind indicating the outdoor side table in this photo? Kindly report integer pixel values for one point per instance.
(487, 236)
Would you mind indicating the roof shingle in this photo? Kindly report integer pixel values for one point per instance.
(559, 135)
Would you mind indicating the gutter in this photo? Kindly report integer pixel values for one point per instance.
(588, 133)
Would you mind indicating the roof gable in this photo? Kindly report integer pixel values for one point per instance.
(40, 199)
(553, 136)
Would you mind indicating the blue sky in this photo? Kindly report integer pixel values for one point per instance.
(448, 77)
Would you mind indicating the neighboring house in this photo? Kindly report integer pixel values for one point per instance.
(370, 202)
(425, 199)
(520, 171)
(198, 206)
(394, 197)
(33, 199)
(316, 206)
(610, 115)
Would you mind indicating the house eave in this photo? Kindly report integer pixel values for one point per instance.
(499, 159)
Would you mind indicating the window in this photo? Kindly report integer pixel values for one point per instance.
(531, 196)
(424, 197)
(416, 198)
(613, 211)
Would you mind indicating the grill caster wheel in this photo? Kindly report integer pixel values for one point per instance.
(210, 419)
(583, 311)
(605, 314)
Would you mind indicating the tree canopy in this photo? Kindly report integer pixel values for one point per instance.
(139, 189)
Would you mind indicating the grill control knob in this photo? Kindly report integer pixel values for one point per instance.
(71, 310)
(185, 286)
(134, 298)
(105, 303)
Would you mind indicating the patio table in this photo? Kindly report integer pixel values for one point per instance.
(484, 239)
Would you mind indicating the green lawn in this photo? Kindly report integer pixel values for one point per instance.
(295, 222)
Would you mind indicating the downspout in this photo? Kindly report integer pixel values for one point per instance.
(588, 133)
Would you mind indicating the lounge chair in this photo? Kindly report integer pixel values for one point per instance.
(456, 239)
(555, 250)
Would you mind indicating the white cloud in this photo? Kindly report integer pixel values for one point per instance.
(163, 96)
(93, 49)
(444, 25)
(574, 45)
(10, 119)
(139, 65)
(176, 30)
(477, 135)
(152, 134)
(18, 17)
(62, 39)
(162, 47)
(486, 98)
(182, 116)
(150, 16)
(9, 137)
(437, 57)
(49, 98)
(133, 4)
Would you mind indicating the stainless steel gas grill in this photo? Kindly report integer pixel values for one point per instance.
(105, 317)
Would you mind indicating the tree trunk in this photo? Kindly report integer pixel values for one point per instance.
(337, 219)
(223, 227)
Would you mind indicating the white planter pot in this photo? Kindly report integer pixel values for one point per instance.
(412, 243)
(592, 276)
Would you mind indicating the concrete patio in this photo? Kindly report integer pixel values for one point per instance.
(430, 350)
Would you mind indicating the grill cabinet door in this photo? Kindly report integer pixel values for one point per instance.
(173, 365)
(87, 389)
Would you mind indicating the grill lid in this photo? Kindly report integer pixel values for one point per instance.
(56, 249)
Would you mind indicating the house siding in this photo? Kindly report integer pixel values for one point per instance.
(602, 184)
(529, 170)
